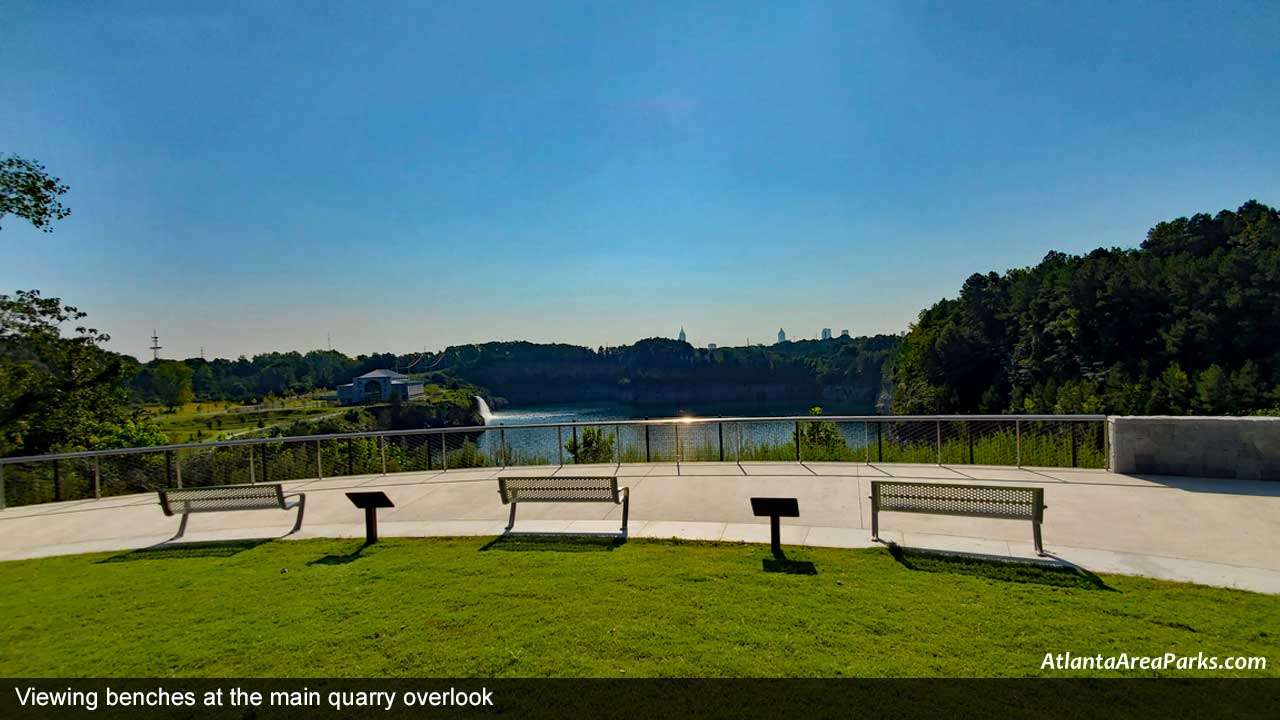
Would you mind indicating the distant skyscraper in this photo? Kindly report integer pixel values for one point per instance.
(782, 337)
(826, 333)
(682, 334)
(844, 333)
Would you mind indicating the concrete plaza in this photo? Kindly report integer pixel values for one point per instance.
(1211, 531)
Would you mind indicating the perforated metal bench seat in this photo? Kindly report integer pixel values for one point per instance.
(515, 490)
(988, 501)
(229, 498)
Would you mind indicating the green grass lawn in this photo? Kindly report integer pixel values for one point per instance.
(201, 422)
(471, 607)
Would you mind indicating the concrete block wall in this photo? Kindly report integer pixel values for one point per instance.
(1245, 448)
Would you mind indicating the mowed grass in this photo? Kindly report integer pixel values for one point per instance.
(474, 607)
(200, 422)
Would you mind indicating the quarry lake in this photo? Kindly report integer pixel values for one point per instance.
(598, 411)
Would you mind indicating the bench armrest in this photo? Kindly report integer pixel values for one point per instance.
(302, 498)
(623, 493)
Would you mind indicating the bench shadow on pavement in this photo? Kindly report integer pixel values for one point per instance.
(1054, 573)
(182, 551)
(556, 542)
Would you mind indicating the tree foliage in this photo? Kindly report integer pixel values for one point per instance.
(660, 369)
(1186, 323)
(58, 393)
(28, 191)
(595, 446)
(172, 381)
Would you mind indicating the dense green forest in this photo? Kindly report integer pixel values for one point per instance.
(656, 369)
(1187, 323)
(252, 379)
(659, 370)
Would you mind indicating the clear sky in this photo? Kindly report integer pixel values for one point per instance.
(250, 177)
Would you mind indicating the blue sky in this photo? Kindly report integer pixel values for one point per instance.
(250, 177)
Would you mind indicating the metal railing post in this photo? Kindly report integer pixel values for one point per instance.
(577, 447)
(617, 442)
(939, 441)
(2, 492)
(866, 439)
(1106, 444)
(1073, 442)
(560, 442)
(97, 481)
(351, 458)
(676, 427)
(646, 442)
(444, 452)
(319, 467)
(1017, 434)
(968, 436)
(720, 431)
(382, 452)
(266, 470)
(502, 445)
(177, 466)
(168, 468)
(798, 441)
(879, 442)
(739, 443)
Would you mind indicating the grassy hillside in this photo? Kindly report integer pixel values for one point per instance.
(586, 607)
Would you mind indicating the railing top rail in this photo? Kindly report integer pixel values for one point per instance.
(585, 423)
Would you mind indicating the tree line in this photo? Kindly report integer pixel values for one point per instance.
(661, 369)
(1184, 324)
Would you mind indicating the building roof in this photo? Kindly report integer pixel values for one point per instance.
(381, 373)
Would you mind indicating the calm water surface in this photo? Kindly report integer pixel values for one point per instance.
(588, 412)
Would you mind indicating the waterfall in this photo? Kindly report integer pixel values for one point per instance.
(485, 412)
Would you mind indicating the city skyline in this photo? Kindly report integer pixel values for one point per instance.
(249, 179)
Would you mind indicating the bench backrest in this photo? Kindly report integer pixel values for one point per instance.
(222, 497)
(558, 489)
(992, 501)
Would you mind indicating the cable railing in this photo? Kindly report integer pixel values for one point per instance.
(1002, 440)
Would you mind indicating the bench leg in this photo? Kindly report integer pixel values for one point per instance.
(626, 509)
(302, 505)
(1035, 532)
(875, 524)
(182, 526)
(512, 520)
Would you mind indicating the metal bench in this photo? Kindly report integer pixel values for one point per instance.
(989, 501)
(228, 498)
(515, 490)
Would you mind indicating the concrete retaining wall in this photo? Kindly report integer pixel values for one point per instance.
(1246, 448)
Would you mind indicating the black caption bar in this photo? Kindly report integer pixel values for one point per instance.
(647, 699)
